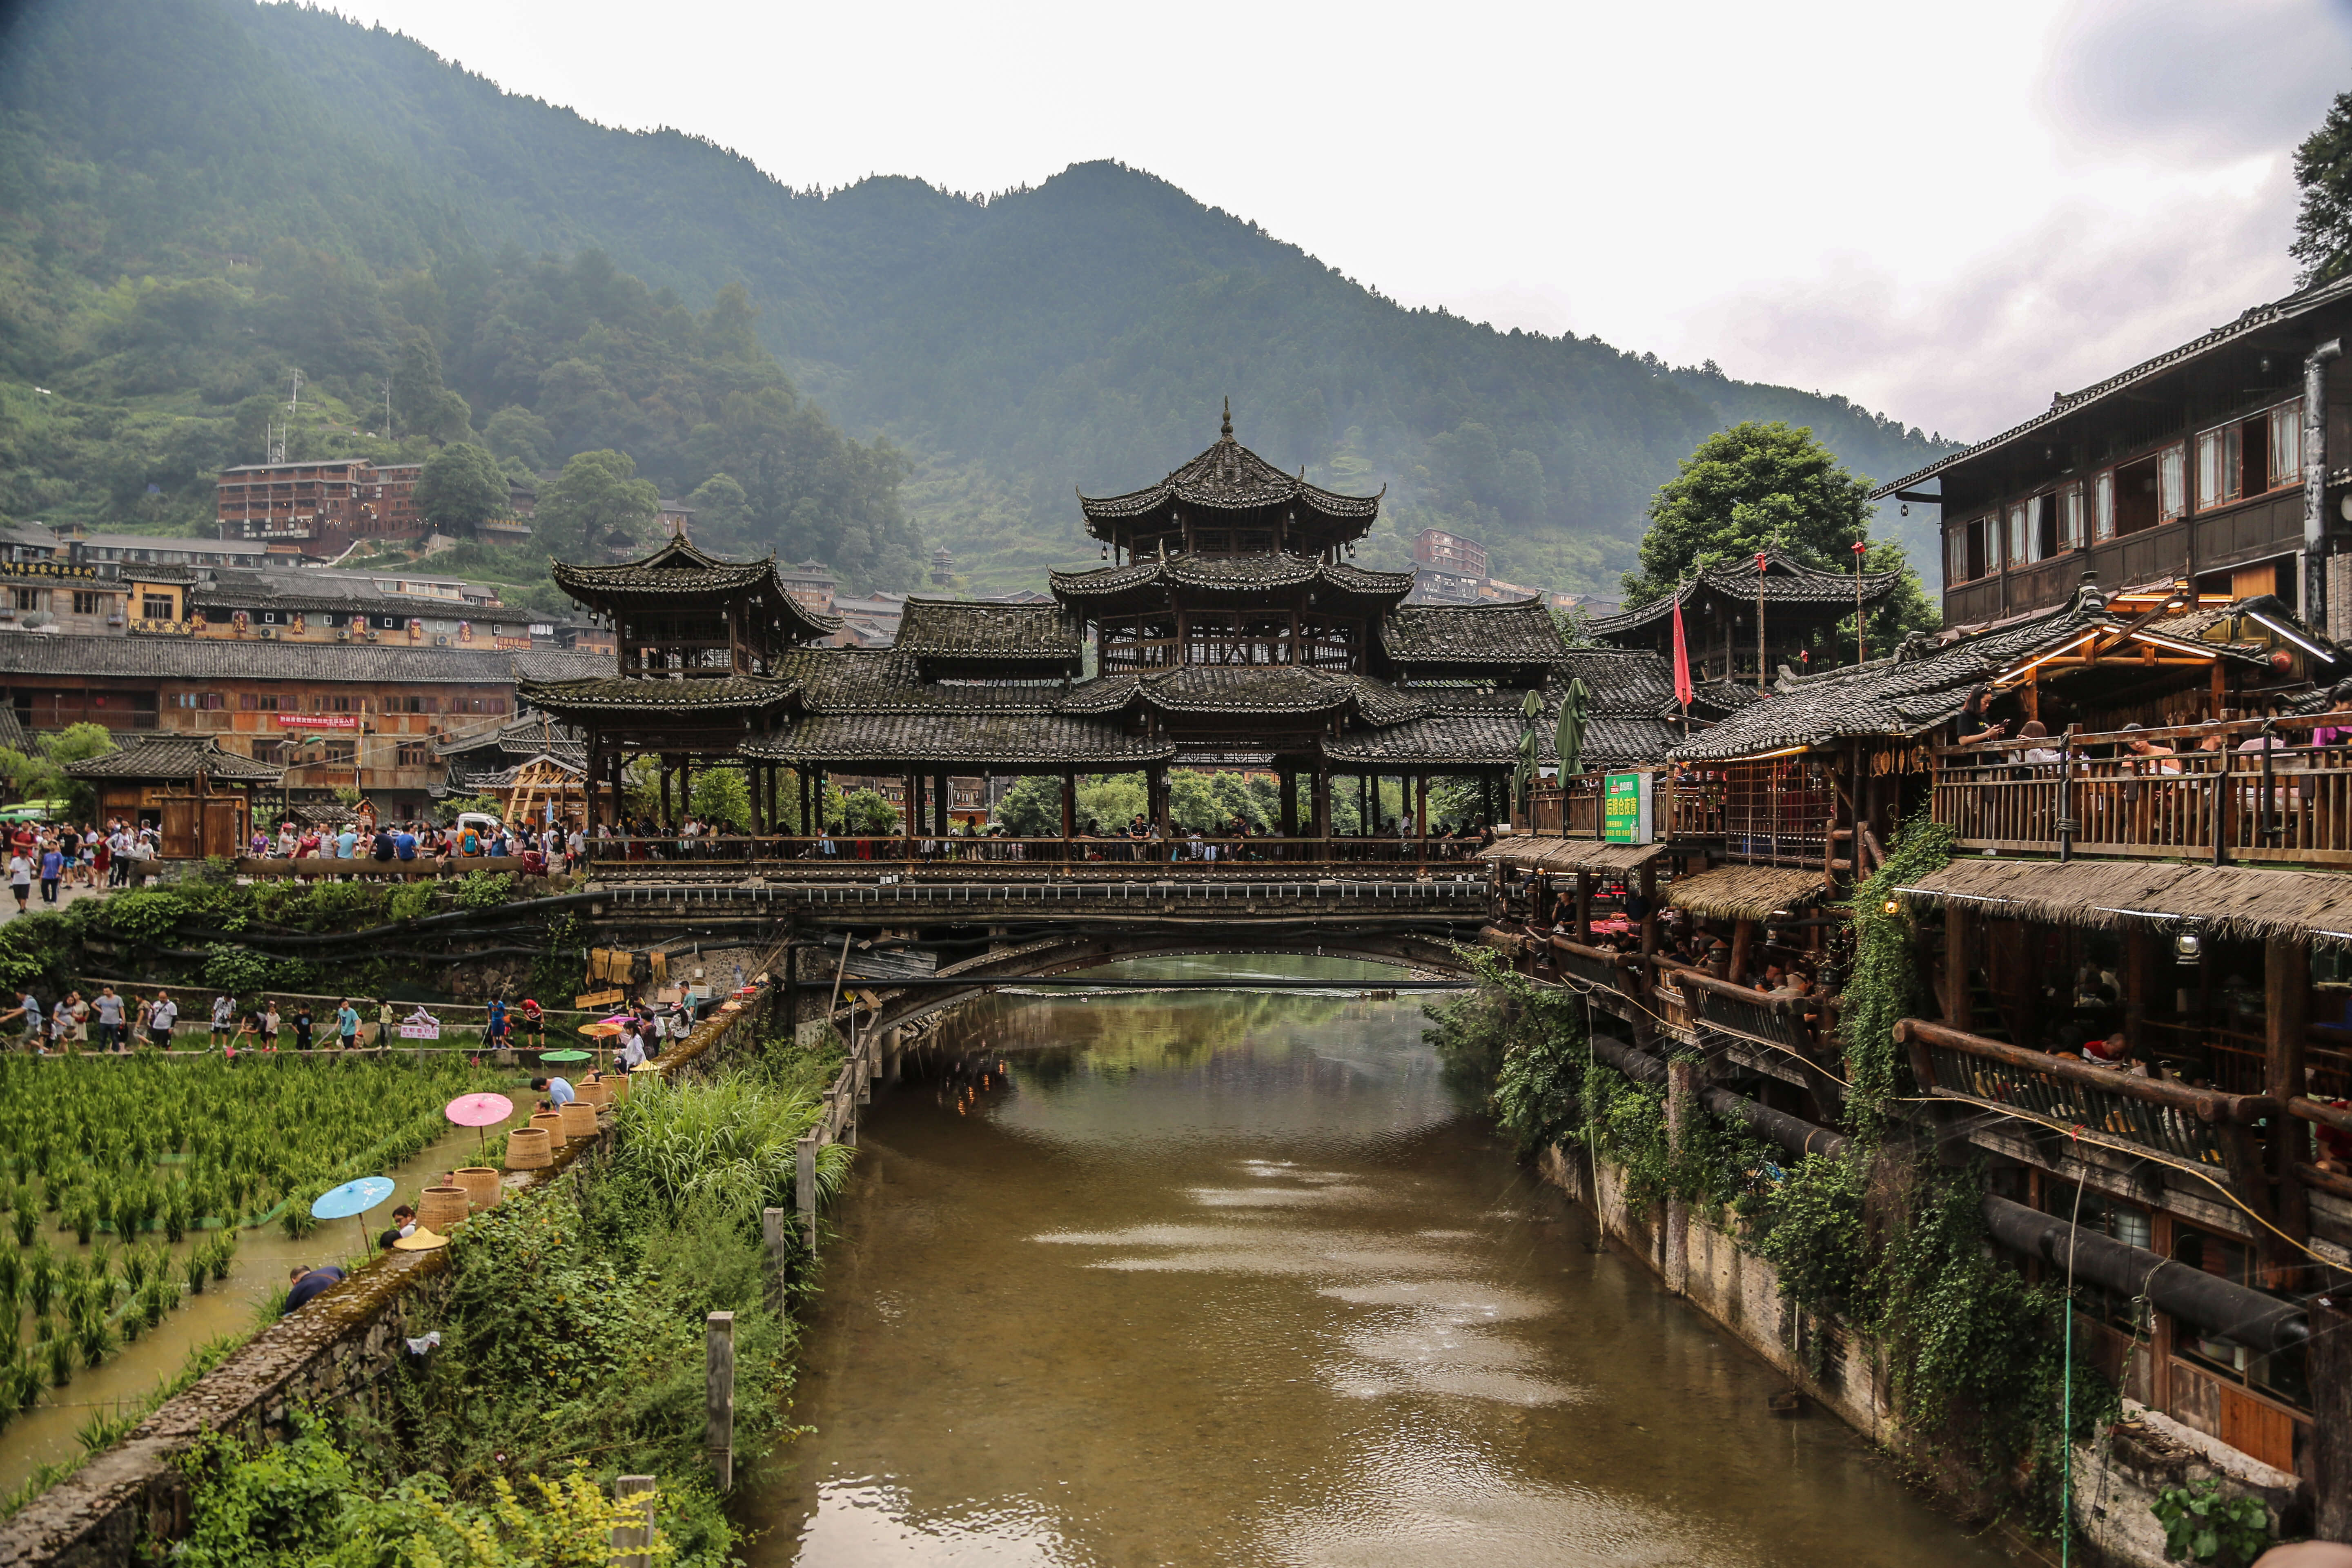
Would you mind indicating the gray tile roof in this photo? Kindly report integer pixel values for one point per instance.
(139, 756)
(987, 633)
(1232, 574)
(1459, 637)
(1789, 582)
(1905, 695)
(34, 654)
(1230, 476)
(639, 694)
(977, 740)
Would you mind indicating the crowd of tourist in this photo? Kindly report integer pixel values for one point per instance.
(402, 843)
(64, 854)
(642, 838)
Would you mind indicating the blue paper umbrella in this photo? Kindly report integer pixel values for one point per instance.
(352, 1198)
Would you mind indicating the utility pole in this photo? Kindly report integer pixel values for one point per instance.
(294, 400)
(387, 408)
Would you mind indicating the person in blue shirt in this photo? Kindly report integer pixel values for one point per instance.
(404, 843)
(53, 866)
(495, 1035)
(347, 1024)
(559, 1091)
(305, 1285)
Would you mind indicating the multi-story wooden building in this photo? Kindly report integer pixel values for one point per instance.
(2207, 465)
(333, 716)
(320, 508)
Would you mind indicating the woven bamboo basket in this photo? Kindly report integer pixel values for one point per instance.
(481, 1185)
(551, 1123)
(578, 1120)
(441, 1208)
(598, 1092)
(528, 1150)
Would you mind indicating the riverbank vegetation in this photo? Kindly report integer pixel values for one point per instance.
(571, 1352)
(1879, 1240)
(205, 927)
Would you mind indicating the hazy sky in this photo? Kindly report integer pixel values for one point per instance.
(1948, 213)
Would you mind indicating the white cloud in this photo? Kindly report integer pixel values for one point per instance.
(1948, 218)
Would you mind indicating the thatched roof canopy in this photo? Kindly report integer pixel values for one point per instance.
(1570, 854)
(2229, 901)
(1745, 892)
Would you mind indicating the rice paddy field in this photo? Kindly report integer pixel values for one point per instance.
(129, 1188)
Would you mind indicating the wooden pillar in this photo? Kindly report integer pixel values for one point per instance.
(2141, 955)
(1156, 793)
(1649, 916)
(2329, 1372)
(771, 1237)
(1960, 960)
(757, 777)
(718, 1396)
(2286, 984)
(910, 814)
(1070, 806)
(1289, 803)
(661, 772)
(633, 1542)
(1421, 813)
(1584, 908)
(1743, 937)
(1322, 804)
(686, 786)
(942, 805)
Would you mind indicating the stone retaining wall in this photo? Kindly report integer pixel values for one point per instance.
(2117, 1477)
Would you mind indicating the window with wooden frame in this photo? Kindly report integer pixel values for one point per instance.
(414, 755)
(2024, 539)
(85, 604)
(2070, 516)
(2103, 506)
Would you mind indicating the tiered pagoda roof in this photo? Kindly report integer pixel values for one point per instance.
(1230, 488)
(1787, 581)
(680, 575)
(960, 636)
(1442, 642)
(173, 759)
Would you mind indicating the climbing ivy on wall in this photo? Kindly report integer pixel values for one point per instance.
(1885, 985)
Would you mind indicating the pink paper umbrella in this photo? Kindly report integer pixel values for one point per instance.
(479, 1111)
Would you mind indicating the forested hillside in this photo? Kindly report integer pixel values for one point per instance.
(197, 197)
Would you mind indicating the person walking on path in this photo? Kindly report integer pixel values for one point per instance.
(20, 879)
(223, 1018)
(108, 1007)
(347, 1025)
(160, 1020)
(302, 1026)
(53, 866)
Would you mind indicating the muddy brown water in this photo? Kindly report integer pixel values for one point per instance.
(1234, 1277)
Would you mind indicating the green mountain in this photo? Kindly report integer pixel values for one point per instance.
(198, 196)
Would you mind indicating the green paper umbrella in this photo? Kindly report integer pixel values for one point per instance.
(1569, 736)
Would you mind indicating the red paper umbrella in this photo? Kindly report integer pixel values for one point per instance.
(478, 1109)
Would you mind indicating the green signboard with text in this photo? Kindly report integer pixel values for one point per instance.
(1625, 808)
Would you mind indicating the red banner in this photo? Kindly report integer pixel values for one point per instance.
(317, 721)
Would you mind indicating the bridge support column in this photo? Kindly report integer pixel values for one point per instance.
(757, 777)
(1680, 1091)
(941, 805)
(1069, 812)
(1321, 806)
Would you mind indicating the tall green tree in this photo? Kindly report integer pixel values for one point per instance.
(461, 487)
(2323, 169)
(598, 502)
(1772, 485)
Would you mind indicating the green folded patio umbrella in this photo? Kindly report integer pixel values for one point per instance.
(1570, 735)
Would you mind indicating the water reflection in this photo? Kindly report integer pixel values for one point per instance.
(1198, 1277)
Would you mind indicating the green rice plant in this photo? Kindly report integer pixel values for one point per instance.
(12, 1275)
(223, 1253)
(157, 1298)
(23, 1223)
(93, 1337)
(176, 1214)
(135, 1268)
(104, 1428)
(83, 1221)
(40, 1278)
(192, 1267)
(60, 1362)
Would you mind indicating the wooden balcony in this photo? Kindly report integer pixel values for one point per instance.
(2290, 804)
(2203, 1127)
(1684, 808)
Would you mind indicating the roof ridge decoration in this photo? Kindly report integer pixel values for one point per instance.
(682, 568)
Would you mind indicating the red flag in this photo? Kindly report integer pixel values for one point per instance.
(1684, 691)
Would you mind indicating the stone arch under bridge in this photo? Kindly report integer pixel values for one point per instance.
(1065, 954)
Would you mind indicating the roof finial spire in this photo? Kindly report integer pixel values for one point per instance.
(1226, 430)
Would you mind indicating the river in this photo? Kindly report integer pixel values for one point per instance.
(1234, 1277)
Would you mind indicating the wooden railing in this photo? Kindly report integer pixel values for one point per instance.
(1595, 966)
(867, 856)
(1571, 809)
(1779, 1022)
(2089, 794)
(2204, 1127)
